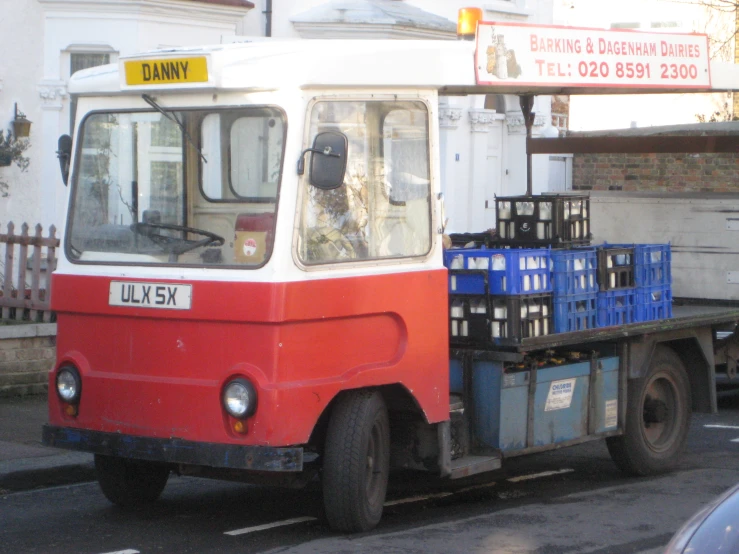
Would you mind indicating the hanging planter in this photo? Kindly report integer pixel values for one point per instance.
(12, 149)
(21, 124)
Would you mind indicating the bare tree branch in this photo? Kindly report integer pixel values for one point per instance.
(726, 6)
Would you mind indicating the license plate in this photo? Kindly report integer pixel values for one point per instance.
(170, 71)
(150, 295)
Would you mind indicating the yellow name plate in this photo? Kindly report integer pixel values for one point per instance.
(172, 71)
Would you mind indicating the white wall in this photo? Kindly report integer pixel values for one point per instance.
(41, 34)
(20, 71)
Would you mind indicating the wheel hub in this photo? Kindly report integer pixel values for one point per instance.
(655, 411)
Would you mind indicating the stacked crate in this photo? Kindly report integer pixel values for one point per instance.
(575, 289)
(653, 277)
(558, 222)
(545, 278)
(544, 220)
(617, 291)
(498, 296)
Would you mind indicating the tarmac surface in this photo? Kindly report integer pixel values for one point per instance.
(24, 462)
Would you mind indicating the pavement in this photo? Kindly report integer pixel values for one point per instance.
(24, 462)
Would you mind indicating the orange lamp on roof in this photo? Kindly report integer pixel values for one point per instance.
(467, 20)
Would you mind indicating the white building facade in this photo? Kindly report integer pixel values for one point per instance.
(483, 139)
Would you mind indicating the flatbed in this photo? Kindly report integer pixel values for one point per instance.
(684, 317)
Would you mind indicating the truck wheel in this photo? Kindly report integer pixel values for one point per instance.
(130, 483)
(657, 417)
(356, 462)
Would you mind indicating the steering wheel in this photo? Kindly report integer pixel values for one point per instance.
(174, 245)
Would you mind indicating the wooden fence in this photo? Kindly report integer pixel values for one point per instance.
(26, 279)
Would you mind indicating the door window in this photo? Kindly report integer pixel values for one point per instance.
(383, 208)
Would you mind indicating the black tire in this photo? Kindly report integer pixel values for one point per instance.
(130, 483)
(356, 462)
(657, 418)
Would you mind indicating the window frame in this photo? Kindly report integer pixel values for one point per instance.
(74, 176)
(302, 184)
(237, 197)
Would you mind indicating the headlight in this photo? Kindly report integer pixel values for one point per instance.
(68, 385)
(240, 398)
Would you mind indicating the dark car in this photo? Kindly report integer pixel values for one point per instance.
(715, 528)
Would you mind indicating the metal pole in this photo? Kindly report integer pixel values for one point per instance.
(268, 22)
(527, 102)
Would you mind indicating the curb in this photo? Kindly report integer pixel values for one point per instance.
(37, 473)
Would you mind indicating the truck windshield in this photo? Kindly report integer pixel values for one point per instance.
(197, 188)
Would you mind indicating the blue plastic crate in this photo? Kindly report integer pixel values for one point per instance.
(616, 307)
(575, 312)
(653, 302)
(574, 271)
(652, 263)
(508, 271)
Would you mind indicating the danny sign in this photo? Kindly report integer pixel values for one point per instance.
(170, 71)
(516, 54)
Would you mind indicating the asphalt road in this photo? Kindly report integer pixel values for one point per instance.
(573, 500)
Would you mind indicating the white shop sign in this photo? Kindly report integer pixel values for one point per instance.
(515, 54)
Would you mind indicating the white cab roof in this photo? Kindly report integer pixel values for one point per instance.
(447, 66)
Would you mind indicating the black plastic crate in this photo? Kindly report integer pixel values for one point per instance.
(469, 320)
(472, 240)
(544, 220)
(520, 317)
(484, 321)
(615, 267)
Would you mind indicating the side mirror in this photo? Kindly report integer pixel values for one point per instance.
(64, 153)
(328, 160)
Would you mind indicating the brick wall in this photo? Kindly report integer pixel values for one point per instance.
(27, 353)
(656, 172)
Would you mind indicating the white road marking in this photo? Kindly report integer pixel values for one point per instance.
(538, 475)
(478, 487)
(475, 487)
(735, 427)
(417, 498)
(128, 551)
(266, 526)
(734, 440)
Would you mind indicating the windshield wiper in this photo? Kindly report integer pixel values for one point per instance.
(172, 117)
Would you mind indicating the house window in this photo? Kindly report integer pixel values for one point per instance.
(77, 62)
(626, 25)
(664, 25)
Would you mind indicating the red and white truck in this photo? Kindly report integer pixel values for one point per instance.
(252, 285)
